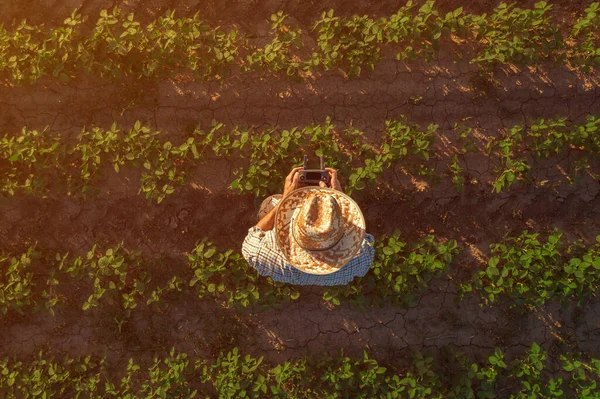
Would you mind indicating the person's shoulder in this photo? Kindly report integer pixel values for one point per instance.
(271, 240)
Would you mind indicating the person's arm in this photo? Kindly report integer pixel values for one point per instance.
(268, 221)
(291, 183)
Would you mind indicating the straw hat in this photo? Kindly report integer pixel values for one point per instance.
(319, 230)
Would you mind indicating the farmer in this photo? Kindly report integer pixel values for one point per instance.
(310, 235)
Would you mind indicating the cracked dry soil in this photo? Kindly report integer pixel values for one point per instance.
(448, 93)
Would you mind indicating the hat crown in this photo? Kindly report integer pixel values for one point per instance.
(319, 224)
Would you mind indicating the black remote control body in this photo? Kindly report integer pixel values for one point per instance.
(314, 176)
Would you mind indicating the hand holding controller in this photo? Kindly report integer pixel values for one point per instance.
(333, 180)
(314, 176)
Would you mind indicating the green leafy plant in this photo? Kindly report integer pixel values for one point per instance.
(119, 45)
(517, 35)
(584, 33)
(585, 376)
(510, 169)
(398, 273)
(531, 272)
(228, 277)
(16, 282)
(349, 42)
(272, 152)
(456, 171)
(279, 55)
(234, 374)
(30, 158)
(116, 277)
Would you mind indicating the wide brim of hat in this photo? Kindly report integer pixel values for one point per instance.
(319, 262)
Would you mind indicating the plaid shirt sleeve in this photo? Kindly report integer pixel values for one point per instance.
(261, 251)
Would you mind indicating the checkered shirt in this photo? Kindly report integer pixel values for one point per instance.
(261, 251)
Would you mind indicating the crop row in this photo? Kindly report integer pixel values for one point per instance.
(522, 269)
(38, 161)
(530, 271)
(117, 44)
(451, 374)
(516, 151)
(119, 279)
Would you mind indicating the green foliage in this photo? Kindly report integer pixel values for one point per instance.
(117, 277)
(175, 284)
(26, 286)
(548, 137)
(164, 163)
(553, 136)
(351, 43)
(419, 34)
(456, 172)
(227, 276)
(529, 376)
(30, 159)
(465, 137)
(402, 141)
(398, 273)
(16, 282)
(167, 378)
(119, 45)
(585, 52)
(272, 153)
(235, 375)
(510, 169)
(531, 272)
(279, 55)
(36, 161)
(514, 35)
(545, 138)
(585, 376)
(118, 280)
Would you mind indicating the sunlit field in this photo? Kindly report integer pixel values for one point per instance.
(138, 139)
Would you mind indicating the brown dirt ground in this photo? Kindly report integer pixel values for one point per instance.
(206, 208)
(249, 14)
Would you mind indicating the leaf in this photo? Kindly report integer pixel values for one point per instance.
(210, 252)
(492, 271)
(388, 251)
(195, 151)
(493, 262)
(360, 185)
